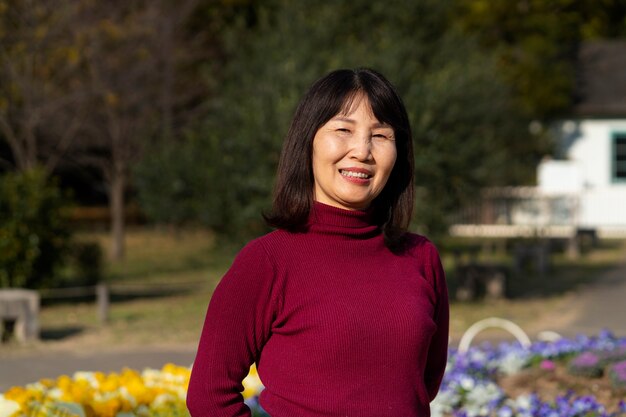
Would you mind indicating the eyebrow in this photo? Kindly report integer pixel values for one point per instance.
(352, 121)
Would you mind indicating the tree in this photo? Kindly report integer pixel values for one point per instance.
(460, 110)
(605, 19)
(133, 52)
(536, 43)
(40, 66)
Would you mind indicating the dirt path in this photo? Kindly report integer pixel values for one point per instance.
(598, 306)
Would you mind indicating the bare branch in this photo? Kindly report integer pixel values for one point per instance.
(13, 141)
(64, 143)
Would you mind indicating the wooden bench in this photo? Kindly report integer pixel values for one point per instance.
(19, 314)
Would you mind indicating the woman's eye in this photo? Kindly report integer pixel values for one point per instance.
(381, 136)
(343, 130)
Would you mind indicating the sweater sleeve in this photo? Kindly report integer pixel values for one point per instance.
(438, 350)
(237, 325)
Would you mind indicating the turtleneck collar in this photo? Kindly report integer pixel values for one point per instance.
(333, 220)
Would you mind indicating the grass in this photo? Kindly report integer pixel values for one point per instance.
(155, 257)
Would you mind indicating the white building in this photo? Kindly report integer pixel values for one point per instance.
(584, 186)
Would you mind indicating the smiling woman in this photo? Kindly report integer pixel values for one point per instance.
(332, 102)
(353, 155)
(341, 293)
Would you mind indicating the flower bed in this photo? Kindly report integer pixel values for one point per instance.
(485, 381)
(87, 394)
(474, 384)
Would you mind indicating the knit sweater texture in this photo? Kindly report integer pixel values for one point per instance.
(338, 325)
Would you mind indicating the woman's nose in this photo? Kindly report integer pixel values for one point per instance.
(362, 147)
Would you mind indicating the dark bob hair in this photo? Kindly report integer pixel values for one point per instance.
(327, 97)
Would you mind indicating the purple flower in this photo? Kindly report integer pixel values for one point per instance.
(586, 359)
(468, 385)
(617, 372)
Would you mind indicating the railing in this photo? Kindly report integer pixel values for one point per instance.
(524, 206)
(533, 212)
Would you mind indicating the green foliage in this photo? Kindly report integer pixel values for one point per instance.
(537, 41)
(180, 184)
(460, 110)
(603, 19)
(33, 233)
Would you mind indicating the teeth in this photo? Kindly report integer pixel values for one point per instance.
(354, 174)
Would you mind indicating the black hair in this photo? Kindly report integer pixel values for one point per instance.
(327, 97)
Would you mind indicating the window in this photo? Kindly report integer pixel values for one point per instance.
(619, 157)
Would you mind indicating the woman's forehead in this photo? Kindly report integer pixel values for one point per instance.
(352, 103)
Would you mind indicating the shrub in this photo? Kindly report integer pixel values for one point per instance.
(34, 236)
(87, 258)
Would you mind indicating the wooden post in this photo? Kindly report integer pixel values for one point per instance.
(573, 247)
(102, 298)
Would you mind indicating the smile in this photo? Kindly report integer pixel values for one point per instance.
(353, 174)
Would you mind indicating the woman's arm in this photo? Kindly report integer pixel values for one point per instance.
(237, 325)
(438, 351)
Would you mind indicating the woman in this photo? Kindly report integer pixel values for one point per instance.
(344, 312)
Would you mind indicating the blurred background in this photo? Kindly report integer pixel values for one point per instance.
(139, 141)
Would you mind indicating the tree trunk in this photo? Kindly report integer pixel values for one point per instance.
(116, 206)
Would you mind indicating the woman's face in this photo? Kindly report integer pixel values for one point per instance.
(353, 155)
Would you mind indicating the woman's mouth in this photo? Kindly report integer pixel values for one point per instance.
(355, 174)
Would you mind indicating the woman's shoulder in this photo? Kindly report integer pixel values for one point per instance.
(421, 247)
(268, 244)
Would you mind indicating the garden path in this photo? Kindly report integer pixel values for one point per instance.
(598, 306)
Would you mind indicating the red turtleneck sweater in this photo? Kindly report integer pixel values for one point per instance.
(337, 324)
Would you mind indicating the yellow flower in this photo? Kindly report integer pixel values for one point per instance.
(106, 408)
(95, 394)
(64, 382)
(252, 383)
(24, 396)
(139, 391)
(48, 383)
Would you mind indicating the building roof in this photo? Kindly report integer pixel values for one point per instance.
(601, 87)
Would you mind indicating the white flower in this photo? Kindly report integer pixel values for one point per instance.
(55, 393)
(523, 402)
(512, 362)
(123, 392)
(88, 377)
(444, 403)
(483, 394)
(477, 356)
(467, 383)
(7, 407)
(163, 399)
